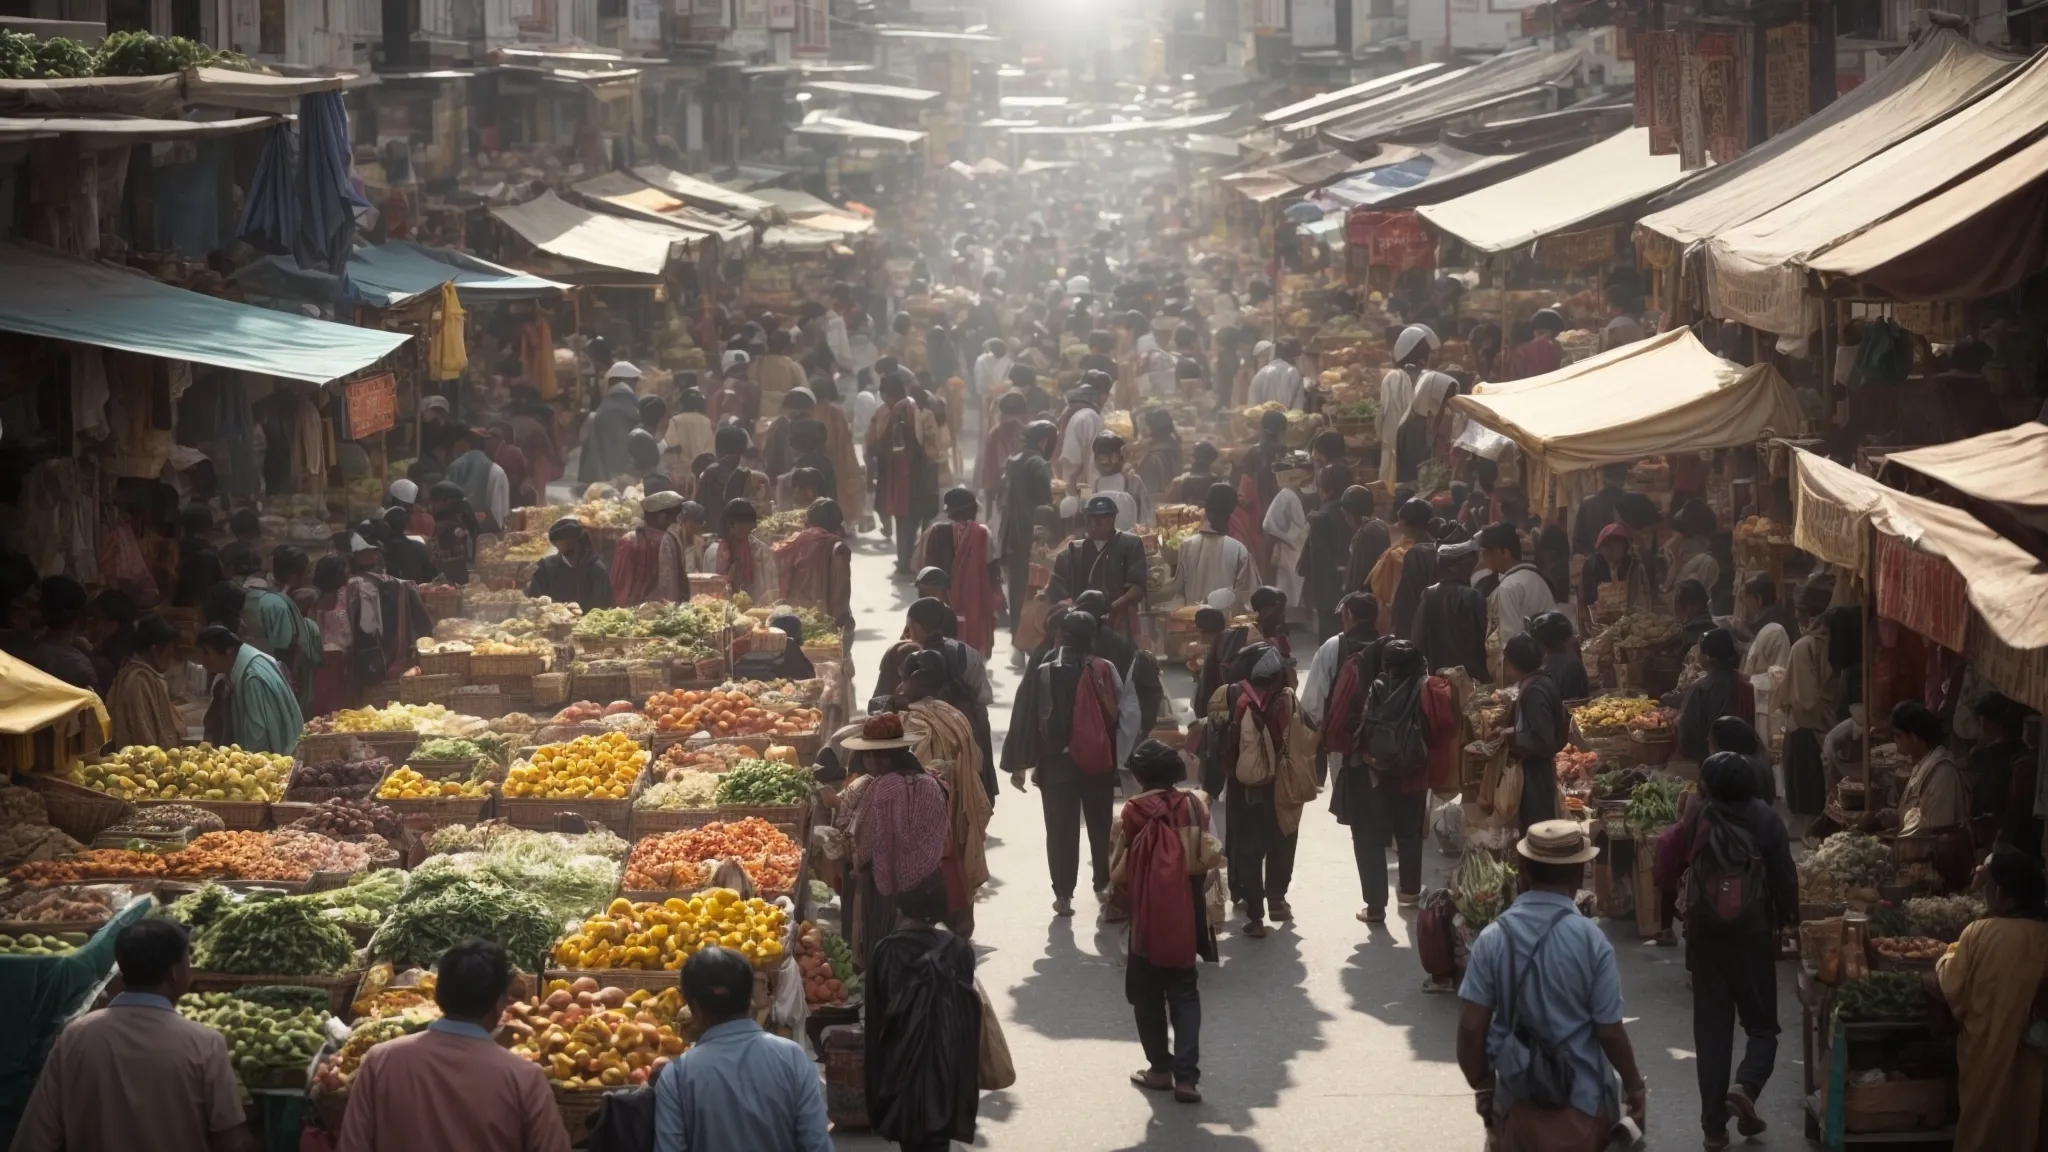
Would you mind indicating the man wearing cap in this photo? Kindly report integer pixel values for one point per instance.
(1541, 353)
(747, 563)
(1114, 478)
(405, 494)
(434, 426)
(1285, 525)
(573, 574)
(672, 561)
(1027, 487)
(636, 560)
(1279, 382)
(606, 431)
(1106, 560)
(1450, 621)
(1212, 560)
(1079, 426)
(1551, 973)
(960, 547)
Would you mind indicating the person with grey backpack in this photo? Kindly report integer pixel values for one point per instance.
(1540, 1038)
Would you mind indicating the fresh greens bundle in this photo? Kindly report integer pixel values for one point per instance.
(1881, 996)
(765, 782)
(287, 935)
(447, 907)
(1653, 805)
(268, 1043)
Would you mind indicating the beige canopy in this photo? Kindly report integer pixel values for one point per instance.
(1664, 394)
(1559, 196)
(560, 228)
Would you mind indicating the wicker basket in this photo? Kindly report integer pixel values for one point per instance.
(483, 701)
(236, 815)
(578, 1109)
(445, 664)
(780, 815)
(563, 733)
(711, 670)
(444, 768)
(444, 810)
(708, 584)
(506, 664)
(1896, 1106)
(427, 689)
(631, 979)
(644, 682)
(657, 821)
(551, 688)
(160, 841)
(393, 746)
(605, 686)
(340, 988)
(77, 811)
(442, 601)
(823, 652)
(1653, 748)
(538, 812)
(317, 747)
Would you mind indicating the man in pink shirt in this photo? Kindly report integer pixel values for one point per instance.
(451, 1088)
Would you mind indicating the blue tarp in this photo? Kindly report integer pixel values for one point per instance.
(46, 294)
(393, 273)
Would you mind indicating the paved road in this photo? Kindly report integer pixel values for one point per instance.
(1317, 1036)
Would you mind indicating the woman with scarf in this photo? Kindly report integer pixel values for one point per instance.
(1411, 396)
(139, 702)
(747, 563)
(816, 566)
(1614, 561)
(897, 817)
(1991, 981)
(947, 749)
(605, 435)
(1160, 854)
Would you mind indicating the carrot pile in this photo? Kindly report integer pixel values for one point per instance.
(212, 856)
(675, 861)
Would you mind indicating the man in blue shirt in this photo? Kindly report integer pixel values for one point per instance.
(1547, 969)
(737, 1087)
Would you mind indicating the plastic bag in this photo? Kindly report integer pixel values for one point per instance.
(786, 995)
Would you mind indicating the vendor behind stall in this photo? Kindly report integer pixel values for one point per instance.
(1936, 803)
(1991, 980)
(574, 574)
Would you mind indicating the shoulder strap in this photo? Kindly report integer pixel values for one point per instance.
(1517, 983)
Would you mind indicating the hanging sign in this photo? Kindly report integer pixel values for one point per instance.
(1788, 77)
(372, 405)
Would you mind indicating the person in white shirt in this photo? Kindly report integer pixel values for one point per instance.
(1523, 594)
(1286, 525)
(1151, 367)
(1213, 561)
(1410, 391)
(992, 367)
(1112, 477)
(1279, 380)
(1223, 311)
(1076, 463)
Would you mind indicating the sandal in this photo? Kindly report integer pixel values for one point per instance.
(1374, 915)
(1255, 930)
(1151, 1081)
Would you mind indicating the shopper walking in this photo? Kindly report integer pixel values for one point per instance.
(737, 1086)
(1250, 762)
(1990, 981)
(1540, 731)
(1383, 788)
(1544, 976)
(923, 1033)
(1160, 854)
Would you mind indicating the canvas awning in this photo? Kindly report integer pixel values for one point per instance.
(1128, 127)
(814, 214)
(390, 274)
(702, 192)
(839, 127)
(131, 128)
(1559, 196)
(229, 88)
(1506, 76)
(792, 238)
(1383, 100)
(1296, 176)
(1927, 81)
(631, 197)
(46, 294)
(31, 699)
(1346, 96)
(1998, 477)
(2005, 584)
(1999, 216)
(560, 228)
(1663, 394)
(1756, 271)
(874, 91)
(1412, 175)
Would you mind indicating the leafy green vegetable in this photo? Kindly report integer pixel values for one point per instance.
(291, 997)
(143, 54)
(1881, 996)
(200, 910)
(447, 748)
(287, 936)
(448, 907)
(17, 56)
(765, 782)
(1653, 805)
(58, 57)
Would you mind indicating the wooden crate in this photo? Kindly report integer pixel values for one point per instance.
(236, 815)
(393, 746)
(340, 988)
(445, 664)
(539, 813)
(631, 979)
(425, 689)
(445, 810)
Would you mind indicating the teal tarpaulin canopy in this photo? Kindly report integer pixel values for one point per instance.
(43, 293)
(390, 274)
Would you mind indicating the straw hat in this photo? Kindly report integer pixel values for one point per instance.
(879, 734)
(1557, 842)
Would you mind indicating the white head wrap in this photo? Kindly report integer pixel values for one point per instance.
(358, 544)
(1411, 336)
(1262, 352)
(1221, 599)
(1070, 507)
(733, 356)
(661, 502)
(622, 370)
(404, 491)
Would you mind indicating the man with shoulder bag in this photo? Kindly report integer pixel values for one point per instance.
(1383, 788)
(1257, 757)
(1540, 1039)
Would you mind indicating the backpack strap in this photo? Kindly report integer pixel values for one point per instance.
(1517, 983)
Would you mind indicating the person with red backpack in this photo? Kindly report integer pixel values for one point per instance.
(1737, 891)
(1335, 687)
(1074, 722)
(1382, 789)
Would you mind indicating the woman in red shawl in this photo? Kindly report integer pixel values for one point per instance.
(1160, 856)
(959, 546)
(816, 566)
(846, 470)
(636, 559)
(897, 447)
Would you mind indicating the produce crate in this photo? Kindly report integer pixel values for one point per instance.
(340, 988)
(393, 746)
(603, 687)
(577, 1109)
(483, 701)
(442, 601)
(445, 810)
(163, 841)
(75, 810)
(601, 645)
(709, 584)
(1896, 1106)
(823, 652)
(644, 682)
(1653, 749)
(315, 747)
(538, 812)
(712, 670)
(283, 812)
(551, 688)
(445, 664)
(657, 821)
(780, 815)
(563, 733)
(425, 689)
(506, 664)
(236, 815)
(631, 979)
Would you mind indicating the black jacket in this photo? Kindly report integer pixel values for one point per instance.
(587, 585)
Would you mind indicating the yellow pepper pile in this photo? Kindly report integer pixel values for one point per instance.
(599, 767)
(659, 937)
(406, 784)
